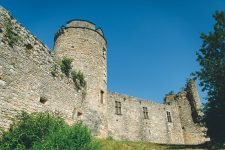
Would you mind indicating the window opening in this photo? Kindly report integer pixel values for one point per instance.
(145, 112)
(169, 119)
(118, 107)
(101, 96)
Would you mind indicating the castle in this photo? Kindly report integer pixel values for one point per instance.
(26, 83)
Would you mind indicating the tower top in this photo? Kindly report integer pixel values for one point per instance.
(83, 24)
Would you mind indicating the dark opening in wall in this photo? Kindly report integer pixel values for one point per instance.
(79, 114)
(145, 112)
(43, 100)
(124, 99)
(101, 96)
(72, 46)
(118, 107)
(28, 46)
(169, 118)
(104, 53)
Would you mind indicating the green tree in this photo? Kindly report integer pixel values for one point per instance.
(211, 57)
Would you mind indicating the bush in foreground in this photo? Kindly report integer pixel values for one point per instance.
(45, 131)
(77, 137)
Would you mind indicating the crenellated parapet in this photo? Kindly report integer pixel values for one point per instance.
(82, 24)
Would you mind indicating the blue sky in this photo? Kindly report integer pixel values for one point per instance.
(151, 43)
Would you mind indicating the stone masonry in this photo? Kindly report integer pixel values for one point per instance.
(27, 84)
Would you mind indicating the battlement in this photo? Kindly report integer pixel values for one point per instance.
(82, 24)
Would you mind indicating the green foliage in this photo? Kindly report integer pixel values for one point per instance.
(66, 66)
(10, 34)
(54, 70)
(28, 129)
(211, 58)
(45, 131)
(77, 137)
(109, 138)
(78, 79)
(170, 93)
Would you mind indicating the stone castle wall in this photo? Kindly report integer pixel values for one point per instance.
(25, 77)
(192, 132)
(26, 83)
(131, 124)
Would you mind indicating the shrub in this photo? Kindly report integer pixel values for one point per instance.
(28, 129)
(170, 93)
(109, 138)
(54, 70)
(77, 137)
(10, 34)
(45, 131)
(78, 79)
(66, 66)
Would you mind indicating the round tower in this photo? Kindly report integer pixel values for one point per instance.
(86, 45)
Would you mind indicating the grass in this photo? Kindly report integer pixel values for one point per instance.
(110, 144)
(128, 145)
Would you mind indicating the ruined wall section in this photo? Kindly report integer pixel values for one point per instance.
(26, 82)
(193, 133)
(131, 124)
(86, 45)
(194, 100)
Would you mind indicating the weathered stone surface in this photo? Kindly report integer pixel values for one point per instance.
(27, 84)
(2, 83)
(25, 74)
(80, 41)
(131, 124)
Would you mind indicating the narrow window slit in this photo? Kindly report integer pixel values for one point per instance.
(118, 107)
(169, 119)
(101, 97)
(145, 112)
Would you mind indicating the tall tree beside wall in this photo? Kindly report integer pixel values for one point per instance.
(211, 57)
